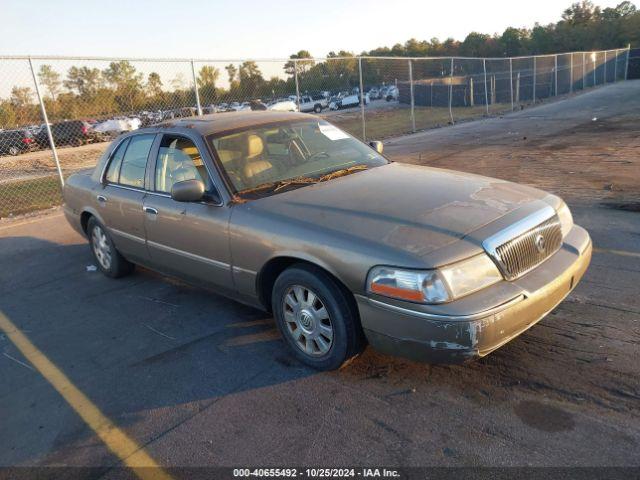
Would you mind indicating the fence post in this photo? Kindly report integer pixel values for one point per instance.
(595, 66)
(295, 75)
(571, 73)
(518, 88)
(486, 94)
(511, 81)
(555, 75)
(195, 88)
(364, 127)
(584, 69)
(43, 111)
(626, 66)
(534, 79)
(431, 94)
(605, 66)
(451, 93)
(413, 115)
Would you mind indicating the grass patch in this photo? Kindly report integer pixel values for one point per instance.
(382, 124)
(26, 196)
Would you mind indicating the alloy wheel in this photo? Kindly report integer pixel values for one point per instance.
(101, 247)
(307, 320)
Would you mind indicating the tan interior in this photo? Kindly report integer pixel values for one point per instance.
(255, 165)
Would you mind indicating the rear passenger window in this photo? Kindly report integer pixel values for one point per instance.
(113, 173)
(134, 163)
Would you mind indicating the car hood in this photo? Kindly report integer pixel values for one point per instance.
(406, 207)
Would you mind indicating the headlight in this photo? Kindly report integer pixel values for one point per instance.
(434, 286)
(566, 219)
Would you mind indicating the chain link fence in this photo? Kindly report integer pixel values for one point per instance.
(58, 114)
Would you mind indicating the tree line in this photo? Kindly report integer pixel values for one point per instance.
(86, 91)
(89, 92)
(583, 26)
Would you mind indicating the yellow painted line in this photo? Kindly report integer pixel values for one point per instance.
(124, 447)
(27, 222)
(624, 253)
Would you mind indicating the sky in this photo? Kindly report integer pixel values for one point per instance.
(251, 28)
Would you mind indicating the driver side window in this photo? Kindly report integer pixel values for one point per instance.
(179, 160)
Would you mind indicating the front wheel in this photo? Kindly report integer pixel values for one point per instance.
(316, 317)
(317, 108)
(110, 261)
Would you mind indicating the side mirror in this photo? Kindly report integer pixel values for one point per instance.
(187, 191)
(377, 146)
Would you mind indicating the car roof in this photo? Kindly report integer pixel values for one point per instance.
(222, 122)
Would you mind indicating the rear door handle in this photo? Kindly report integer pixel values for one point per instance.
(101, 198)
(150, 210)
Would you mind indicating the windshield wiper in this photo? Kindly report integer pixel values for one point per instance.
(342, 172)
(280, 184)
(275, 186)
(294, 181)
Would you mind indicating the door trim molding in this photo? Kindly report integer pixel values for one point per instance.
(189, 255)
(128, 236)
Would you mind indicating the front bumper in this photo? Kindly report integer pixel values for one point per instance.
(454, 334)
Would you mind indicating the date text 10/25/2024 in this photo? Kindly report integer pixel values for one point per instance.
(316, 472)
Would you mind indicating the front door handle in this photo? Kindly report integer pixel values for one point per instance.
(150, 210)
(101, 198)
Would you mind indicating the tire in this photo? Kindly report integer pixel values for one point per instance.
(109, 260)
(14, 150)
(317, 108)
(323, 333)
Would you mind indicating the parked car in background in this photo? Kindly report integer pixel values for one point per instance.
(14, 142)
(374, 93)
(283, 105)
(72, 132)
(313, 103)
(257, 105)
(392, 93)
(348, 101)
(179, 113)
(116, 126)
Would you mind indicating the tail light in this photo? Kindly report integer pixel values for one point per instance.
(85, 130)
(27, 140)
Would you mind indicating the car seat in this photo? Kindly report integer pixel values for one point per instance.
(256, 169)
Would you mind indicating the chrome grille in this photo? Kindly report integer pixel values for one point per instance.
(528, 250)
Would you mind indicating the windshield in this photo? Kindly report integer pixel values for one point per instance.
(268, 158)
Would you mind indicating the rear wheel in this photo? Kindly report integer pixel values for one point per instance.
(14, 150)
(109, 260)
(317, 108)
(316, 317)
